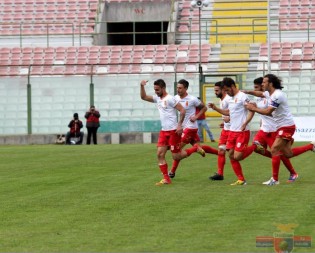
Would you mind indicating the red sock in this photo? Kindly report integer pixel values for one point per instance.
(300, 150)
(267, 153)
(175, 165)
(248, 151)
(275, 160)
(164, 168)
(209, 149)
(287, 164)
(221, 163)
(237, 169)
(191, 150)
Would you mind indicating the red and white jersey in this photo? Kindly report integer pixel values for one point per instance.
(167, 110)
(268, 123)
(225, 105)
(238, 111)
(282, 115)
(189, 103)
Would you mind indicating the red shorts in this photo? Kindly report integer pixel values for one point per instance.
(190, 136)
(169, 139)
(286, 133)
(265, 139)
(238, 140)
(224, 137)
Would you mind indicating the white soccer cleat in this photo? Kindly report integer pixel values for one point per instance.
(271, 181)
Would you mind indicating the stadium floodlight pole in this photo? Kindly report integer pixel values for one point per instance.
(199, 4)
(268, 34)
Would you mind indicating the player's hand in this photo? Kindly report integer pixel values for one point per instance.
(243, 127)
(144, 82)
(193, 118)
(211, 105)
(179, 130)
(250, 106)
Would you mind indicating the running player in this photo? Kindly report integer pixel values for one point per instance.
(170, 134)
(267, 135)
(225, 125)
(279, 110)
(190, 133)
(239, 133)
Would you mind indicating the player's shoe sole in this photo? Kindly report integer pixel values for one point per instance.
(201, 151)
(163, 182)
(259, 148)
(271, 181)
(239, 182)
(171, 174)
(216, 176)
(292, 178)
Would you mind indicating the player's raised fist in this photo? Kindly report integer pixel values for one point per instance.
(143, 82)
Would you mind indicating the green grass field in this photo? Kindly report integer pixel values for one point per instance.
(103, 199)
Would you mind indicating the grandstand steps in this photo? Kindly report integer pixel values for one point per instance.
(236, 54)
(234, 38)
(238, 22)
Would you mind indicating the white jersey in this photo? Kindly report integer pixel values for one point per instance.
(189, 103)
(268, 123)
(282, 115)
(225, 105)
(238, 111)
(167, 110)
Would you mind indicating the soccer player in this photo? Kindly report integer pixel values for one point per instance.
(190, 133)
(170, 134)
(278, 108)
(225, 125)
(239, 130)
(266, 137)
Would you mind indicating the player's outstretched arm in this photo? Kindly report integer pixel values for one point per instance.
(267, 111)
(225, 112)
(143, 93)
(254, 93)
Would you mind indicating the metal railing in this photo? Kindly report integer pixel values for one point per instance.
(209, 28)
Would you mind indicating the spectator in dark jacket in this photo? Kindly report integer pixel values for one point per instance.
(75, 126)
(92, 124)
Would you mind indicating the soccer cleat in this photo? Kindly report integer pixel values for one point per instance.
(259, 148)
(201, 151)
(171, 174)
(313, 142)
(163, 181)
(239, 182)
(271, 181)
(216, 176)
(212, 140)
(292, 178)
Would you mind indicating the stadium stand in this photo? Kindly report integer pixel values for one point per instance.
(114, 57)
(233, 42)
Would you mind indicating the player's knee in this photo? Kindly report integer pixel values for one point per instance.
(221, 152)
(238, 157)
(178, 156)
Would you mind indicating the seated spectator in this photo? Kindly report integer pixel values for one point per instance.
(75, 126)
